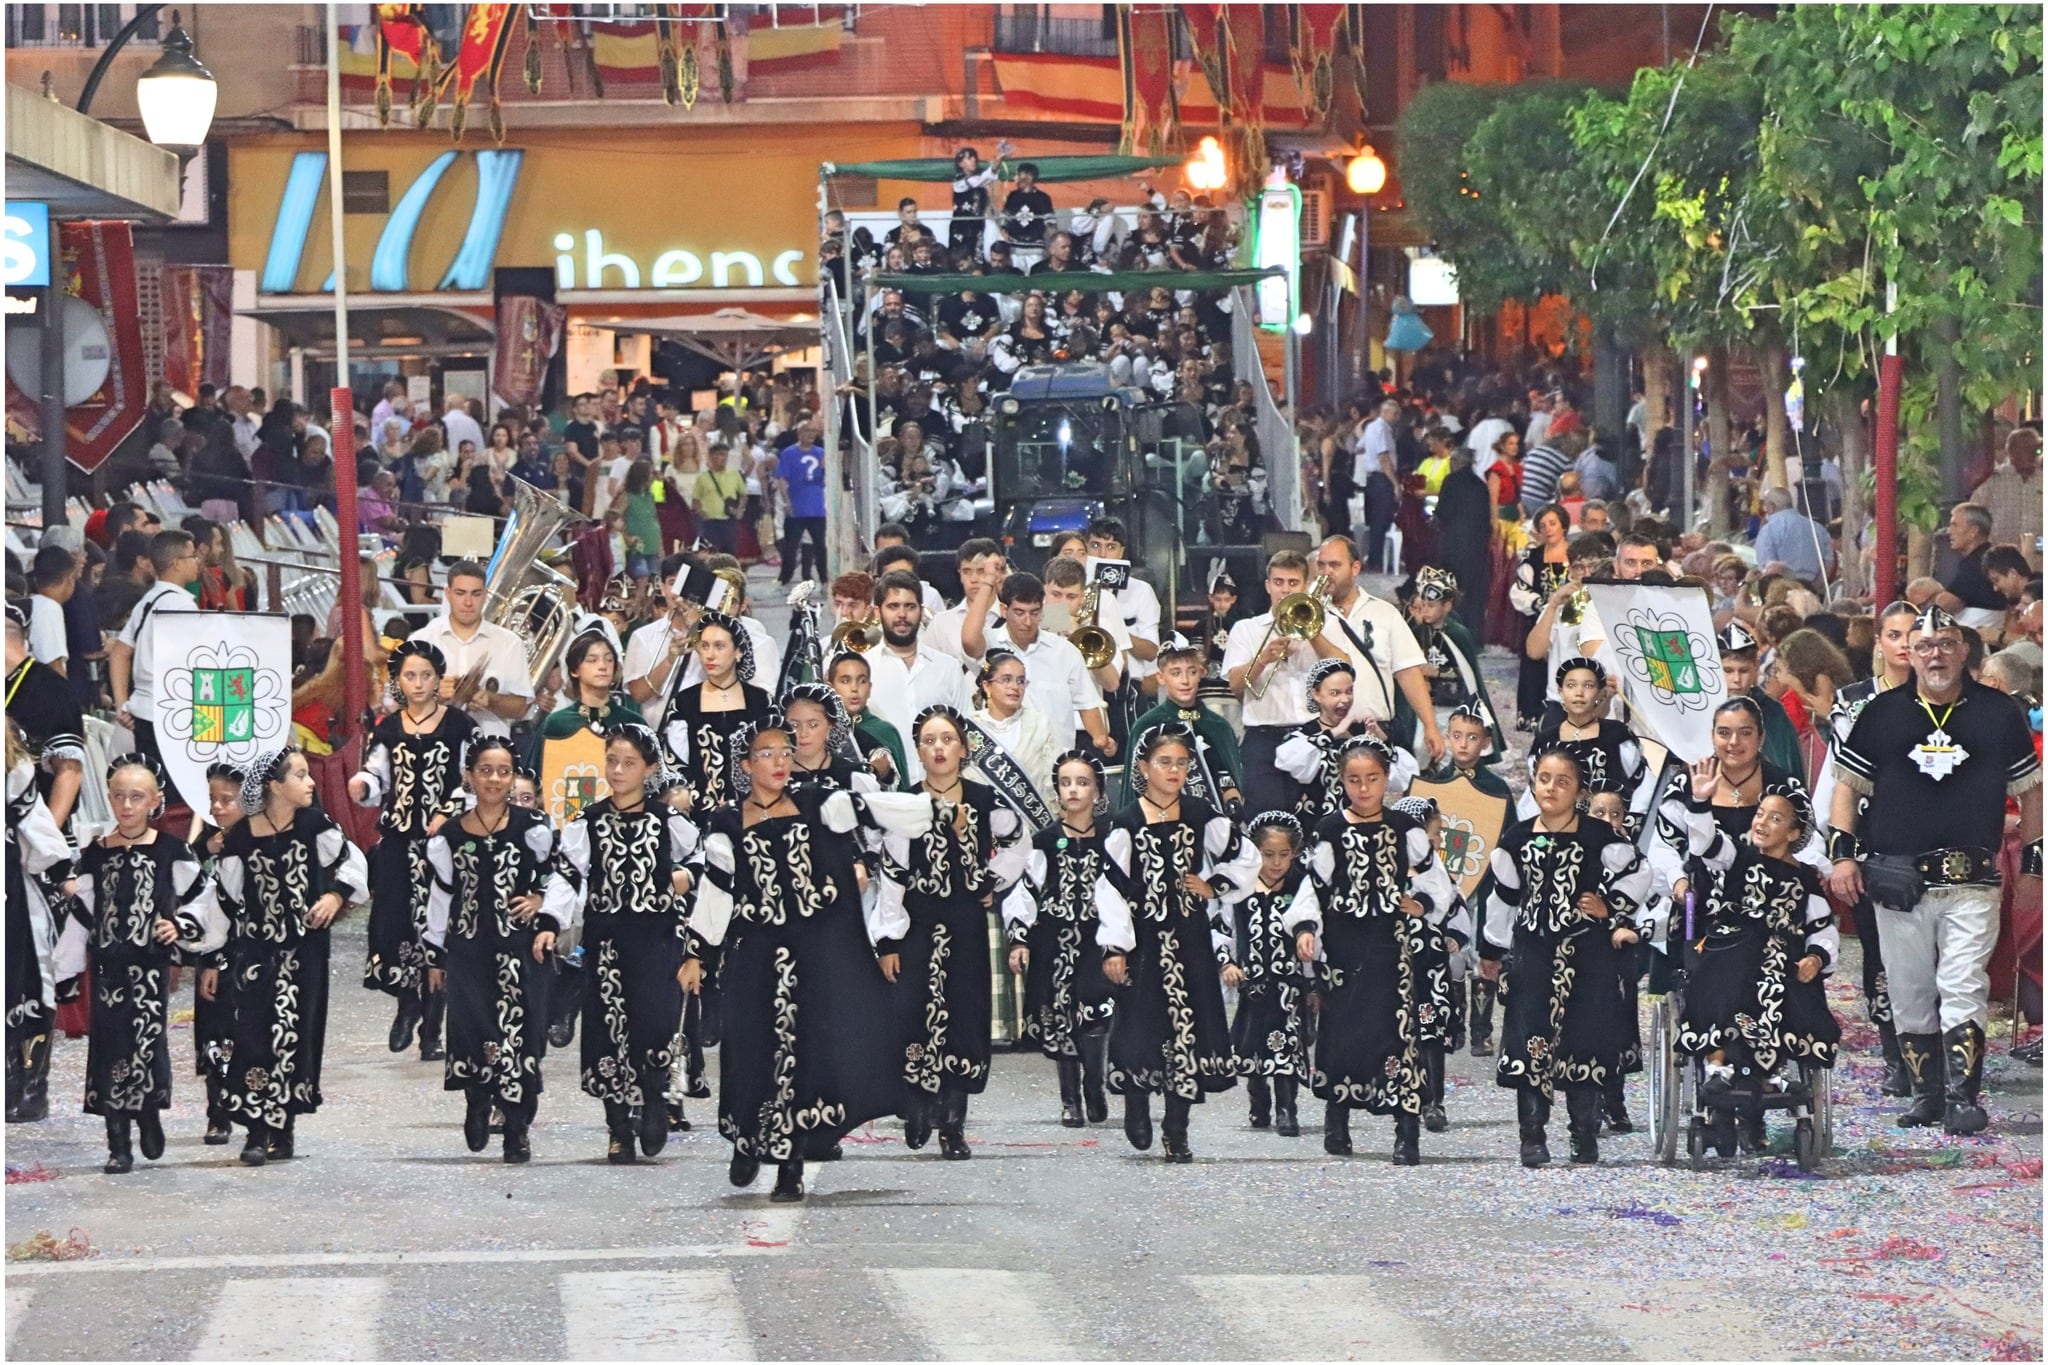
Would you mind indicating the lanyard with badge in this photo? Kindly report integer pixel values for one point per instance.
(1938, 755)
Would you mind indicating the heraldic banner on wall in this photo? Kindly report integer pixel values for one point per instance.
(223, 691)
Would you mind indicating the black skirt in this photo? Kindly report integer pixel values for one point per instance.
(632, 1007)
(213, 1024)
(1743, 995)
(399, 881)
(497, 1018)
(1432, 964)
(280, 1029)
(942, 1001)
(1065, 992)
(1570, 1014)
(1169, 1034)
(1366, 1040)
(127, 1056)
(1270, 1033)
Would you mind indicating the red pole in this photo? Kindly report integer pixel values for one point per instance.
(342, 426)
(1884, 569)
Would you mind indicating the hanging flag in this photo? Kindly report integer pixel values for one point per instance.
(402, 32)
(198, 310)
(1246, 25)
(1670, 667)
(223, 691)
(1206, 35)
(1354, 40)
(486, 34)
(529, 332)
(1151, 113)
(1315, 56)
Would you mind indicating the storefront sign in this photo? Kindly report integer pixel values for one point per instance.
(25, 247)
(675, 268)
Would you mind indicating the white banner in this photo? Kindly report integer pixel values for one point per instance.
(223, 691)
(1670, 665)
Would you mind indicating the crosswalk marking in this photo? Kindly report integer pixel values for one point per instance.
(1314, 1317)
(981, 1314)
(654, 1315)
(19, 1297)
(294, 1318)
(1662, 1321)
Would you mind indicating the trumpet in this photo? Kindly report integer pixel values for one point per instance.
(858, 636)
(1097, 645)
(1297, 616)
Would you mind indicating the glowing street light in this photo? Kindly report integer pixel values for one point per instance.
(1206, 169)
(1366, 174)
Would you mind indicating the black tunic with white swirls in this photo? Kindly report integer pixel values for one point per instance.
(807, 1055)
(1170, 1034)
(1571, 1017)
(700, 741)
(122, 893)
(413, 778)
(278, 966)
(497, 992)
(618, 866)
(1270, 1030)
(1051, 913)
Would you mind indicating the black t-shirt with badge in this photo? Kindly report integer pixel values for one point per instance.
(1929, 792)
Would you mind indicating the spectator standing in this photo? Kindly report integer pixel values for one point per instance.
(2013, 495)
(53, 578)
(718, 498)
(132, 656)
(1374, 473)
(458, 424)
(1793, 539)
(800, 474)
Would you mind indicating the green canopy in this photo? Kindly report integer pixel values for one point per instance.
(1051, 169)
(1087, 281)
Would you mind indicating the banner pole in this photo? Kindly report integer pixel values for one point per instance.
(342, 417)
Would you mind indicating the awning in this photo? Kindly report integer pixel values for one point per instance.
(83, 168)
(734, 337)
(383, 328)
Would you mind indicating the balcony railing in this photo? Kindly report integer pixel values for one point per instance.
(73, 26)
(1023, 29)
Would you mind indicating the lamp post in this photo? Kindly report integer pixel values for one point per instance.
(177, 97)
(1693, 373)
(1366, 176)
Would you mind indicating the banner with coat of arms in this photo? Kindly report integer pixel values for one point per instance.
(223, 691)
(1472, 825)
(1670, 665)
(572, 774)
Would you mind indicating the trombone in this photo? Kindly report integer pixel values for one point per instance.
(1097, 645)
(1297, 616)
(857, 636)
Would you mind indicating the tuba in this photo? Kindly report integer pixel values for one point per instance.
(535, 601)
(1097, 645)
(1297, 616)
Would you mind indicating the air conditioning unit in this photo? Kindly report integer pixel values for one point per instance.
(1315, 215)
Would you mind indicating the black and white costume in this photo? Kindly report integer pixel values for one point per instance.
(1067, 1000)
(414, 778)
(1309, 755)
(1612, 758)
(38, 862)
(1271, 1031)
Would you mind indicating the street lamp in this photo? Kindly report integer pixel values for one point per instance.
(1206, 169)
(1366, 174)
(177, 96)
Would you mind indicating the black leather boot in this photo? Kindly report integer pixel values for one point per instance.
(35, 1079)
(743, 1169)
(789, 1183)
(120, 1156)
(1614, 1105)
(1963, 1048)
(1138, 1119)
(917, 1120)
(1532, 1113)
(565, 1002)
(1922, 1053)
(1897, 1080)
(218, 1129)
(1582, 1104)
(1407, 1139)
(653, 1125)
(476, 1118)
(1173, 1131)
(16, 1076)
(1336, 1129)
(1070, 1093)
(149, 1133)
(1094, 1103)
(1484, 993)
(1262, 1100)
(1433, 1117)
(953, 1125)
(1285, 1121)
(282, 1139)
(405, 1022)
(694, 1085)
(433, 1013)
(1454, 1027)
(618, 1124)
(256, 1149)
(518, 1147)
(678, 1121)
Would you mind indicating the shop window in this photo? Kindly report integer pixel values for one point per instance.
(75, 25)
(366, 191)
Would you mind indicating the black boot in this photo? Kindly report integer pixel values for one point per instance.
(1407, 1140)
(1963, 1047)
(1484, 993)
(743, 1169)
(653, 1125)
(476, 1118)
(789, 1183)
(1922, 1053)
(256, 1150)
(1433, 1117)
(282, 1139)
(1614, 1105)
(1093, 1101)
(618, 1124)
(1582, 1104)
(678, 1121)
(1454, 1027)
(120, 1156)
(1262, 1100)
(405, 1022)
(1285, 1121)
(953, 1125)
(218, 1129)
(433, 1012)
(35, 1079)
(1897, 1080)
(1532, 1113)
(565, 1002)
(1070, 1092)
(518, 1147)
(1138, 1119)
(149, 1133)
(917, 1120)
(1754, 1137)
(1336, 1129)
(1173, 1131)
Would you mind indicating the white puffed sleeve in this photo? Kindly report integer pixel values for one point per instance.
(1306, 911)
(41, 842)
(1823, 936)
(1007, 832)
(1300, 757)
(888, 921)
(907, 813)
(347, 869)
(562, 902)
(1020, 907)
(1505, 899)
(712, 913)
(1628, 879)
(202, 925)
(1704, 838)
(1231, 861)
(376, 773)
(440, 895)
(1114, 929)
(1402, 775)
(68, 957)
(683, 843)
(1429, 882)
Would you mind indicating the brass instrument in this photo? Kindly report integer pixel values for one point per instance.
(1574, 609)
(535, 601)
(803, 605)
(1297, 616)
(1097, 645)
(857, 636)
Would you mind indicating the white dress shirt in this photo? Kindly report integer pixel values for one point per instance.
(1028, 739)
(1056, 681)
(1285, 701)
(1139, 606)
(902, 690)
(502, 654)
(1375, 451)
(461, 427)
(46, 630)
(944, 630)
(161, 597)
(644, 651)
(1378, 624)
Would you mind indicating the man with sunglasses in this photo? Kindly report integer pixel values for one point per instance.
(1936, 762)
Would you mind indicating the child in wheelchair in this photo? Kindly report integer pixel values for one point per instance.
(1755, 1004)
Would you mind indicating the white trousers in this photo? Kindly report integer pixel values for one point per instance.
(1937, 956)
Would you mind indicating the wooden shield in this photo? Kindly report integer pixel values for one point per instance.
(572, 774)
(1473, 822)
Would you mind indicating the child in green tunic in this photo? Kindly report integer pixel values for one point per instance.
(1181, 666)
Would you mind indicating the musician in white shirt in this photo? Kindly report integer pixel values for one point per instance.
(504, 688)
(1277, 670)
(1374, 637)
(908, 674)
(1059, 684)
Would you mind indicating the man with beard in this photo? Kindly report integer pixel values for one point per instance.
(909, 675)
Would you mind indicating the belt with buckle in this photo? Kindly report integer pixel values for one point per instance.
(1958, 866)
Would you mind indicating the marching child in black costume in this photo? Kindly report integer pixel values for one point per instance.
(487, 947)
(39, 870)
(1565, 890)
(1271, 1031)
(626, 864)
(142, 897)
(413, 769)
(1754, 998)
(825, 755)
(1051, 923)
(932, 910)
(1170, 865)
(1309, 755)
(213, 1009)
(1439, 973)
(1181, 668)
(1605, 748)
(1374, 881)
